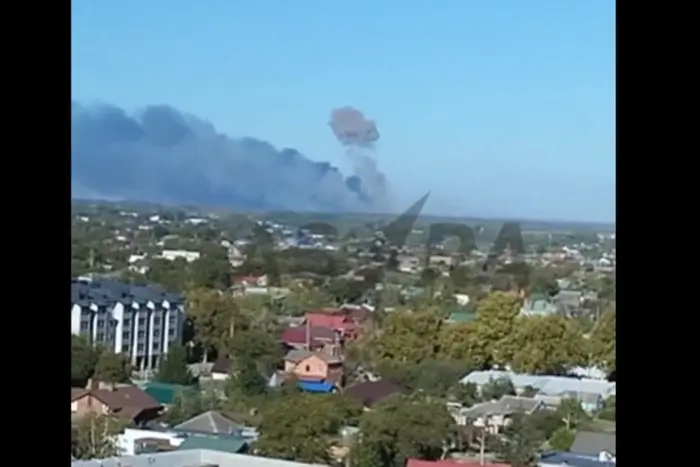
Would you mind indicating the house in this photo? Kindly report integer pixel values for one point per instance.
(494, 415)
(600, 446)
(545, 385)
(335, 319)
(228, 444)
(172, 255)
(127, 402)
(567, 459)
(166, 393)
(461, 316)
(591, 402)
(137, 441)
(538, 305)
(210, 423)
(371, 393)
(140, 322)
(235, 256)
(309, 337)
(221, 369)
(318, 367)
(190, 457)
(254, 281)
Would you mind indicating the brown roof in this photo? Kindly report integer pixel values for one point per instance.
(125, 399)
(222, 365)
(76, 393)
(372, 392)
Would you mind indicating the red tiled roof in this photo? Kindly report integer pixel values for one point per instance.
(297, 335)
(332, 321)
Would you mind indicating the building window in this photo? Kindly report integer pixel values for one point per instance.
(84, 325)
(156, 333)
(100, 336)
(127, 322)
(139, 348)
(156, 321)
(100, 324)
(171, 332)
(142, 322)
(142, 334)
(308, 368)
(156, 345)
(125, 348)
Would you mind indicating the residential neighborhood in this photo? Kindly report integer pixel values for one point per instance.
(201, 334)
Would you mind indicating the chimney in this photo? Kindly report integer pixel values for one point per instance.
(308, 334)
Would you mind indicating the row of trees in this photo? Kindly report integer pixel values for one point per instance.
(499, 336)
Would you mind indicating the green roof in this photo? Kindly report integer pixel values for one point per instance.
(231, 444)
(165, 393)
(462, 316)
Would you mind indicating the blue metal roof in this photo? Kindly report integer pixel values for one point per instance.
(315, 386)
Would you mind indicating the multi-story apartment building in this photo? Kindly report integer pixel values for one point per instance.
(141, 322)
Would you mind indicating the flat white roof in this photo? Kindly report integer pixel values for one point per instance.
(190, 458)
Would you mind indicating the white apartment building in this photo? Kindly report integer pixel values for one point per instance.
(141, 322)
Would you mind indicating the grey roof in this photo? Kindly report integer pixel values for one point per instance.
(559, 459)
(108, 292)
(549, 385)
(569, 297)
(582, 396)
(211, 422)
(189, 458)
(507, 405)
(589, 443)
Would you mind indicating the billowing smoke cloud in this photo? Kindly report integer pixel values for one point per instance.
(358, 136)
(163, 155)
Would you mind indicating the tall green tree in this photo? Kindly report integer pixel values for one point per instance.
(494, 328)
(83, 360)
(173, 368)
(548, 345)
(246, 380)
(212, 270)
(94, 436)
(298, 428)
(409, 336)
(112, 368)
(562, 439)
(401, 428)
(604, 341)
(520, 442)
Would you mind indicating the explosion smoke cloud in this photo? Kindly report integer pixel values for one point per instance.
(163, 155)
(358, 136)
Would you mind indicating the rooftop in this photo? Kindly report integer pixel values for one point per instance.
(548, 385)
(107, 292)
(190, 458)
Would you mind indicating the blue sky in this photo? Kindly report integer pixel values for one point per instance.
(501, 108)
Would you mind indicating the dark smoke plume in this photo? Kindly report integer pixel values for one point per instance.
(358, 135)
(163, 155)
